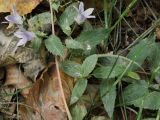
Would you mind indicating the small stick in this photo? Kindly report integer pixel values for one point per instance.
(57, 68)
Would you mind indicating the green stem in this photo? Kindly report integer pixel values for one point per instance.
(140, 114)
(153, 74)
(120, 77)
(105, 13)
(144, 34)
(158, 115)
(124, 13)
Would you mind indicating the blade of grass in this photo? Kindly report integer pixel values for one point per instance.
(158, 115)
(144, 34)
(124, 13)
(112, 4)
(105, 13)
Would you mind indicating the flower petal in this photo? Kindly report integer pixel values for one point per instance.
(19, 34)
(29, 35)
(88, 12)
(14, 19)
(14, 10)
(91, 16)
(22, 42)
(24, 34)
(81, 7)
(80, 19)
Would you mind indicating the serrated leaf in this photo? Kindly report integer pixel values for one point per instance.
(88, 65)
(92, 38)
(70, 43)
(135, 91)
(149, 101)
(71, 68)
(55, 46)
(133, 75)
(142, 50)
(108, 96)
(67, 18)
(78, 90)
(154, 61)
(78, 112)
(110, 60)
(38, 22)
(108, 71)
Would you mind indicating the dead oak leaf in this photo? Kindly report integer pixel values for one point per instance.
(23, 6)
(16, 79)
(45, 98)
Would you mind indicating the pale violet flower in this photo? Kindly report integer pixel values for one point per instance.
(24, 36)
(15, 17)
(83, 15)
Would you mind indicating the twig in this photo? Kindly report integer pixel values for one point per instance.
(57, 68)
(52, 19)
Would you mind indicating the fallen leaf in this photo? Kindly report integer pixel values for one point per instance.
(6, 94)
(45, 99)
(16, 79)
(23, 6)
(32, 68)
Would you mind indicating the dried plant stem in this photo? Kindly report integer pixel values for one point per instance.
(57, 68)
(62, 92)
(52, 19)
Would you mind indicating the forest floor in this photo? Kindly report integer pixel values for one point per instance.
(80, 60)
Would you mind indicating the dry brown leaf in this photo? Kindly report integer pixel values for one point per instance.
(23, 6)
(32, 68)
(46, 99)
(16, 79)
(6, 94)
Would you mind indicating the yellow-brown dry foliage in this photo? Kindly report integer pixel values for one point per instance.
(23, 6)
(45, 99)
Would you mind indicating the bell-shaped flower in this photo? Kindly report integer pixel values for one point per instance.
(15, 18)
(83, 15)
(24, 36)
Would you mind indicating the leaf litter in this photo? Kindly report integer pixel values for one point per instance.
(56, 64)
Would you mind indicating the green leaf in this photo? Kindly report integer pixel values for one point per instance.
(108, 71)
(108, 96)
(149, 119)
(67, 18)
(99, 118)
(133, 75)
(70, 43)
(38, 22)
(149, 101)
(36, 43)
(78, 112)
(88, 65)
(55, 5)
(154, 60)
(92, 38)
(135, 91)
(78, 90)
(71, 68)
(142, 50)
(54, 45)
(110, 60)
